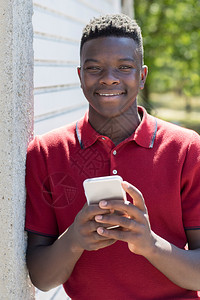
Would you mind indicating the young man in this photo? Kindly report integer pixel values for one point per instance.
(68, 243)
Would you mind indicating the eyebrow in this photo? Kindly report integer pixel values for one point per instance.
(90, 60)
(121, 59)
(127, 59)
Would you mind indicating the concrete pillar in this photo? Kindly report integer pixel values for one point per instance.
(128, 7)
(16, 126)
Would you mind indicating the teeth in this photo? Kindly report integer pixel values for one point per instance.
(110, 94)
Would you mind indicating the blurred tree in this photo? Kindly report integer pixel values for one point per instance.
(171, 35)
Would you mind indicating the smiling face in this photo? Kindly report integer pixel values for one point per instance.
(111, 75)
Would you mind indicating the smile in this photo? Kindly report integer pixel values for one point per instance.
(109, 95)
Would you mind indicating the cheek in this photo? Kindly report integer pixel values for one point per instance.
(87, 82)
(133, 82)
(87, 88)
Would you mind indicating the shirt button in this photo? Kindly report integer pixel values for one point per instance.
(114, 172)
(114, 152)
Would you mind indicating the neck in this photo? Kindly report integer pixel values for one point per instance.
(116, 128)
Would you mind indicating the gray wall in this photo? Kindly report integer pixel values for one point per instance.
(16, 116)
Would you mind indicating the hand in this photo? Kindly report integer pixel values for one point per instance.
(134, 224)
(84, 229)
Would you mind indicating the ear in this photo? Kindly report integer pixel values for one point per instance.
(144, 73)
(79, 72)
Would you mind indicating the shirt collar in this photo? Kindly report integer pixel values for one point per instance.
(144, 135)
(85, 132)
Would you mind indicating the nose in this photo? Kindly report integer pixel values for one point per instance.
(109, 77)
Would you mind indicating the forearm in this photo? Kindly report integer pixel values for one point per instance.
(181, 266)
(50, 266)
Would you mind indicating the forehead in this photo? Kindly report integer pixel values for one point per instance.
(111, 47)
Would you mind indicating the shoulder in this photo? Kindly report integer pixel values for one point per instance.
(179, 143)
(53, 139)
(172, 133)
(164, 134)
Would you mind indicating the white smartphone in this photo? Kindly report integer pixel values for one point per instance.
(104, 188)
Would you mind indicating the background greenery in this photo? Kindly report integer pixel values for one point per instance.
(171, 37)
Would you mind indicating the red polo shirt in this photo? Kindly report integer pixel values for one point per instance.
(161, 159)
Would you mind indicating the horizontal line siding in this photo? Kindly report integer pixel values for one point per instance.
(49, 50)
(58, 76)
(54, 88)
(58, 113)
(58, 121)
(53, 26)
(55, 38)
(49, 102)
(56, 13)
(57, 31)
(55, 63)
(99, 7)
(74, 8)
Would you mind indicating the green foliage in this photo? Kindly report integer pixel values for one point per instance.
(171, 35)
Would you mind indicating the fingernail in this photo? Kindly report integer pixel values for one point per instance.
(98, 218)
(103, 203)
(100, 230)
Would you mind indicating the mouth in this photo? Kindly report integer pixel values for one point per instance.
(110, 94)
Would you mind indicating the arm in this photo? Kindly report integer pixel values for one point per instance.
(180, 266)
(51, 261)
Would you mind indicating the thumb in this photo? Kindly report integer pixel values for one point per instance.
(135, 194)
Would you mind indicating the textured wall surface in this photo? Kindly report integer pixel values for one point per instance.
(16, 115)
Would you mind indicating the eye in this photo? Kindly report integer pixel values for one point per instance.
(125, 67)
(92, 69)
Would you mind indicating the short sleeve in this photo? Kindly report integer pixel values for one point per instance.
(40, 215)
(190, 185)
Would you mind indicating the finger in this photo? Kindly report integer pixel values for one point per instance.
(122, 208)
(105, 242)
(93, 225)
(135, 194)
(89, 228)
(115, 234)
(100, 238)
(114, 220)
(94, 241)
(89, 211)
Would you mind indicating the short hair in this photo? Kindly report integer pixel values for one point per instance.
(119, 25)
